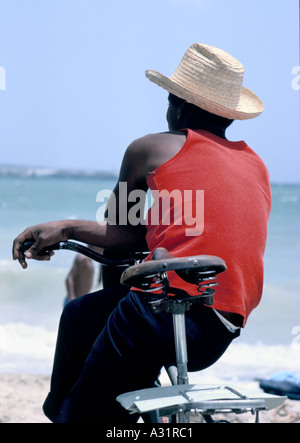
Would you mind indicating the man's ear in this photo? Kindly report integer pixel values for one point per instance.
(180, 110)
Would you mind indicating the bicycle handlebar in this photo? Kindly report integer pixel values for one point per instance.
(88, 252)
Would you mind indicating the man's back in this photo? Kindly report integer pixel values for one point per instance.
(226, 185)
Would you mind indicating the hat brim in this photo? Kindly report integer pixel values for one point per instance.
(249, 106)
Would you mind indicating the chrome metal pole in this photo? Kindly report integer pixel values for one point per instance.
(181, 348)
(181, 358)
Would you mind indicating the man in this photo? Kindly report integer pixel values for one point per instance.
(110, 342)
(79, 280)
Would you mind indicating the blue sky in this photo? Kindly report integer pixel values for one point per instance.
(76, 94)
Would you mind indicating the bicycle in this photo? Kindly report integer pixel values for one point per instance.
(181, 398)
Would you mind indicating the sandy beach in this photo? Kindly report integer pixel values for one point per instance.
(22, 396)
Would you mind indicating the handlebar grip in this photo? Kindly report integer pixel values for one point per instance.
(28, 243)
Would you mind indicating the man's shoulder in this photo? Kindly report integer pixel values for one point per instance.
(156, 140)
(151, 138)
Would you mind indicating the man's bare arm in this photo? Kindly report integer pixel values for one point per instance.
(104, 234)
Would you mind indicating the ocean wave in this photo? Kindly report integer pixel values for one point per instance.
(7, 264)
(289, 199)
(26, 349)
(23, 339)
(30, 349)
(244, 363)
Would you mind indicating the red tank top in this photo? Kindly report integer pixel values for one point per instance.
(221, 207)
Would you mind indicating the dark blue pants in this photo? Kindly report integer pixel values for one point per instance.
(110, 342)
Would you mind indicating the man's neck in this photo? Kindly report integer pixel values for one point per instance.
(220, 132)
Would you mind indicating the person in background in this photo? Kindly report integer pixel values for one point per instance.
(80, 278)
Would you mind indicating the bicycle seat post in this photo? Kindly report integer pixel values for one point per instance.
(178, 309)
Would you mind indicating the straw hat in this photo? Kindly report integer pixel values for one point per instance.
(211, 79)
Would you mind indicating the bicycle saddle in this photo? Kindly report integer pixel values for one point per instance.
(188, 268)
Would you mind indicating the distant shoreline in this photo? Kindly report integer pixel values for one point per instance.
(21, 171)
(48, 172)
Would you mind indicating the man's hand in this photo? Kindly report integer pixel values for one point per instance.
(42, 235)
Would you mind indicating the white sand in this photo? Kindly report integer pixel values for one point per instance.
(22, 397)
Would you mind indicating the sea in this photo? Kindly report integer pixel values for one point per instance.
(31, 300)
